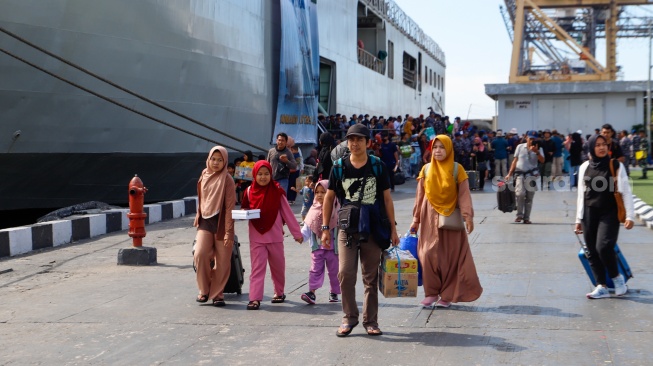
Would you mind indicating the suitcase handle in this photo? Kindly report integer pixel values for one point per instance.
(583, 246)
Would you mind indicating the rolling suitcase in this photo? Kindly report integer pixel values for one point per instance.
(473, 179)
(506, 200)
(237, 275)
(624, 268)
(399, 178)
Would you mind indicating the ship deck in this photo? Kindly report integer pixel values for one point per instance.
(74, 305)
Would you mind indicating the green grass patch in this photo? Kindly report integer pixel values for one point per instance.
(642, 188)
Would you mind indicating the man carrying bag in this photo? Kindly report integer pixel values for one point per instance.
(361, 184)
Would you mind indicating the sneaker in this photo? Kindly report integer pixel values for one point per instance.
(309, 297)
(442, 304)
(599, 292)
(333, 297)
(620, 287)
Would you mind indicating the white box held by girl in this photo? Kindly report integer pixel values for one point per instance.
(245, 214)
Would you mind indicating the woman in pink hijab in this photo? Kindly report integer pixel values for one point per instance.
(216, 197)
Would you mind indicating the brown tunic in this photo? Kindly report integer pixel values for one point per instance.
(448, 268)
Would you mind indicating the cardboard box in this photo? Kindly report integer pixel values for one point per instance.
(390, 263)
(390, 286)
(245, 214)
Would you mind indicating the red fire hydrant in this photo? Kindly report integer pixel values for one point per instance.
(136, 215)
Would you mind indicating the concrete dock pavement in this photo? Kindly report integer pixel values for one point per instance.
(74, 305)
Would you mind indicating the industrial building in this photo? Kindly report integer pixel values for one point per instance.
(556, 81)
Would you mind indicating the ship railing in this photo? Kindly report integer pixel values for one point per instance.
(392, 12)
(370, 61)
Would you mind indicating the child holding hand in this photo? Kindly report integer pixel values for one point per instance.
(321, 255)
(266, 233)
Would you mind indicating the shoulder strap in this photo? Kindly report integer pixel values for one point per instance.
(614, 166)
(376, 165)
(337, 169)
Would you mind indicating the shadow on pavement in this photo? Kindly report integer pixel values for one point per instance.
(519, 310)
(443, 339)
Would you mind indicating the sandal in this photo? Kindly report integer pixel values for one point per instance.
(202, 298)
(518, 219)
(345, 329)
(429, 301)
(254, 305)
(278, 299)
(373, 330)
(527, 222)
(219, 303)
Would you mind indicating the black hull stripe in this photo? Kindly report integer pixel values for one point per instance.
(25, 239)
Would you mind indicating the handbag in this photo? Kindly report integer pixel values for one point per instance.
(348, 217)
(451, 222)
(455, 220)
(621, 210)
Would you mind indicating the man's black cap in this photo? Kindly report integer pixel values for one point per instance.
(358, 129)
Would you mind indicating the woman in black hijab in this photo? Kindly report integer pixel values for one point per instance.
(324, 163)
(596, 215)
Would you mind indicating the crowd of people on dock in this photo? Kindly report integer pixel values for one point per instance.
(348, 212)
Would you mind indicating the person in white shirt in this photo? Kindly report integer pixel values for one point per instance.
(597, 214)
(524, 169)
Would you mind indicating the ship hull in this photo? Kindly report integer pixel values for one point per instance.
(216, 61)
(57, 180)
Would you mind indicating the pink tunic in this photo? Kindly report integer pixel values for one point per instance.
(446, 258)
(275, 234)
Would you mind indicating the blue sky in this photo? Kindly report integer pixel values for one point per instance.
(475, 41)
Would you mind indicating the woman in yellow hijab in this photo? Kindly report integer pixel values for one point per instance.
(448, 270)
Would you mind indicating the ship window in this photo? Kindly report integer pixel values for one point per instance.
(510, 104)
(391, 60)
(410, 71)
(431, 77)
(426, 74)
(631, 102)
(442, 83)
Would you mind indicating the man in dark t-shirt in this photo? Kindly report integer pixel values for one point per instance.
(614, 150)
(390, 157)
(347, 186)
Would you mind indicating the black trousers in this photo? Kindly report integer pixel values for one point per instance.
(601, 230)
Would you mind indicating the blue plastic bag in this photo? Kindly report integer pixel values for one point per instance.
(409, 242)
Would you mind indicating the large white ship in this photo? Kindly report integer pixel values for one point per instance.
(214, 61)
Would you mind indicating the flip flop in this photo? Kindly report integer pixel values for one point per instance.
(202, 298)
(278, 299)
(254, 305)
(373, 330)
(347, 327)
(219, 303)
(527, 222)
(518, 219)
